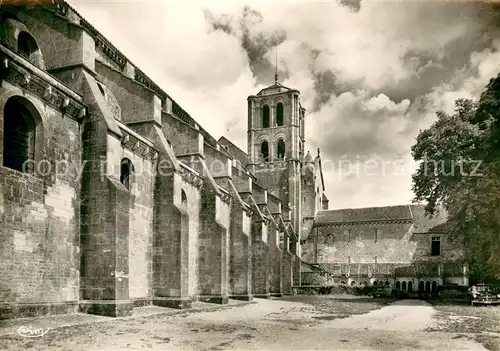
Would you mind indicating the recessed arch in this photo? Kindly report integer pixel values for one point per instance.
(264, 150)
(183, 200)
(265, 116)
(280, 149)
(398, 285)
(410, 286)
(22, 140)
(427, 286)
(126, 173)
(28, 48)
(280, 114)
(403, 286)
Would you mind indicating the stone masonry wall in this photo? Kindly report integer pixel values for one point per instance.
(39, 258)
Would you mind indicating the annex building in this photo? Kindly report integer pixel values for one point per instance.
(112, 196)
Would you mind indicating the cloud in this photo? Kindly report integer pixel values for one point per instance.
(371, 74)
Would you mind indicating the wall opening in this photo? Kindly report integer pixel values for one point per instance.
(403, 286)
(264, 151)
(280, 149)
(436, 246)
(398, 285)
(20, 125)
(410, 286)
(421, 286)
(279, 114)
(126, 173)
(26, 45)
(265, 116)
(428, 286)
(434, 286)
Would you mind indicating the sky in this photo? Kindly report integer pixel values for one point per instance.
(371, 74)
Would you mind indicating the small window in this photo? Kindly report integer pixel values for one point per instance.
(265, 116)
(403, 286)
(279, 114)
(376, 259)
(126, 172)
(398, 285)
(410, 286)
(264, 151)
(436, 246)
(377, 234)
(280, 150)
(349, 259)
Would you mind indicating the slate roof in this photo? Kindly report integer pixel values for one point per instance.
(234, 151)
(276, 86)
(413, 213)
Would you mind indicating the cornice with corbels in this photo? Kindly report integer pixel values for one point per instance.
(190, 177)
(47, 92)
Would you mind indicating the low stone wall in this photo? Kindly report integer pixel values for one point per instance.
(316, 279)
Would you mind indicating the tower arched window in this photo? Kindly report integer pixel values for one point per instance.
(126, 172)
(280, 149)
(279, 114)
(20, 125)
(265, 116)
(264, 151)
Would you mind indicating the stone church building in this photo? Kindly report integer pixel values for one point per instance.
(112, 196)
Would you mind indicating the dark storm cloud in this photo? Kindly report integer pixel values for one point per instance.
(256, 44)
(354, 5)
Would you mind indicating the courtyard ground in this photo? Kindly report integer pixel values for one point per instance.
(294, 323)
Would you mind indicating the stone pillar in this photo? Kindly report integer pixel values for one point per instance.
(260, 253)
(170, 245)
(240, 261)
(105, 250)
(275, 257)
(213, 247)
(287, 268)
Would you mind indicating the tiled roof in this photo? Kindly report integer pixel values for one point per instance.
(350, 215)
(415, 213)
(425, 224)
(276, 88)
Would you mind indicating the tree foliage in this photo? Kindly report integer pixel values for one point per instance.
(460, 170)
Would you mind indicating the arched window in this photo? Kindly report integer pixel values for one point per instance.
(428, 286)
(421, 286)
(403, 286)
(387, 283)
(398, 286)
(265, 116)
(410, 286)
(279, 114)
(280, 149)
(20, 122)
(264, 151)
(434, 286)
(375, 282)
(126, 172)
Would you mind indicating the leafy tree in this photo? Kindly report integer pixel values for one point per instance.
(460, 171)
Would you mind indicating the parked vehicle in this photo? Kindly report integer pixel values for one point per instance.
(484, 294)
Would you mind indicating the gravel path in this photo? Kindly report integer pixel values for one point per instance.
(266, 325)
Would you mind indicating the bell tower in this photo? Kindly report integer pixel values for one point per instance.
(276, 144)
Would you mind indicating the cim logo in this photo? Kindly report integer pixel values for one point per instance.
(29, 332)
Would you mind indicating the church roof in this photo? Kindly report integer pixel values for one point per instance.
(276, 88)
(234, 151)
(308, 158)
(411, 213)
